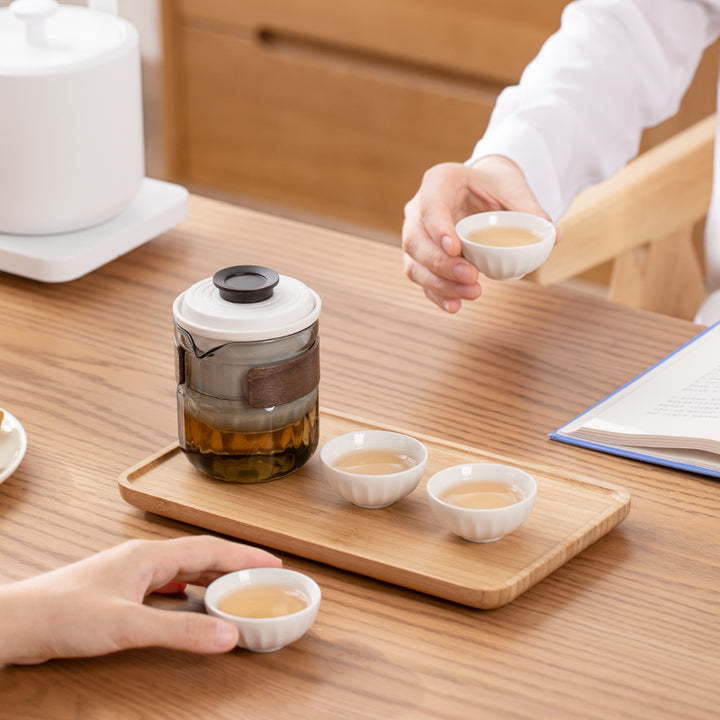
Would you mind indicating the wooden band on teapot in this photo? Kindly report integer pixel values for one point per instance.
(283, 382)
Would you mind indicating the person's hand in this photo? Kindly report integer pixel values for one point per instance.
(95, 606)
(449, 192)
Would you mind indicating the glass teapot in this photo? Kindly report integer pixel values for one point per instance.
(248, 369)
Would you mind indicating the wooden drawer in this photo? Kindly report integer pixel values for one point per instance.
(480, 38)
(335, 109)
(325, 135)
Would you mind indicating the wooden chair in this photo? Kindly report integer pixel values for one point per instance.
(643, 220)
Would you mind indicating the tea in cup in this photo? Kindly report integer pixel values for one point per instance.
(506, 245)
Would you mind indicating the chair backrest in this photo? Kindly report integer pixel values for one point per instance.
(643, 220)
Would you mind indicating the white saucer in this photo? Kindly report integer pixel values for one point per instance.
(156, 208)
(13, 443)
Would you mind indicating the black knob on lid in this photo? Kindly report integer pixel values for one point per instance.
(246, 283)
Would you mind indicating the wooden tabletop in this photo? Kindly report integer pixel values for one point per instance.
(630, 628)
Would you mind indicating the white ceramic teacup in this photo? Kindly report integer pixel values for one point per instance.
(511, 262)
(481, 524)
(266, 634)
(373, 491)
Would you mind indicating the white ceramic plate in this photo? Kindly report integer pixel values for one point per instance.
(13, 442)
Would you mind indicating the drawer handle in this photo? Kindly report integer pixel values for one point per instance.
(314, 49)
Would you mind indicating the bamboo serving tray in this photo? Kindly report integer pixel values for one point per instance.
(401, 544)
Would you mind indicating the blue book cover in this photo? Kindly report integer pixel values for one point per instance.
(668, 415)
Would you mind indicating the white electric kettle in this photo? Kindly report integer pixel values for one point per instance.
(71, 125)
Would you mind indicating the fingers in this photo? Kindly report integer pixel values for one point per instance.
(432, 257)
(430, 215)
(446, 294)
(438, 253)
(199, 559)
(449, 305)
(189, 631)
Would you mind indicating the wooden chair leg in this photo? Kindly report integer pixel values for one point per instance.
(664, 276)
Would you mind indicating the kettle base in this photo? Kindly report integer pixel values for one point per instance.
(157, 208)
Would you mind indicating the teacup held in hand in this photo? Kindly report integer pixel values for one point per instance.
(506, 245)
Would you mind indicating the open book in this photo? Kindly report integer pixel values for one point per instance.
(669, 415)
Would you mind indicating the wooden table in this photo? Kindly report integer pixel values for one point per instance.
(629, 628)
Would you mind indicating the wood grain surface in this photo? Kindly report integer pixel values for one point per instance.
(627, 629)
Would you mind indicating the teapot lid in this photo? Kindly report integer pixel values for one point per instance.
(39, 37)
(246, 303)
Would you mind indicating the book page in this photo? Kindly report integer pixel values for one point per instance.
(675, 404)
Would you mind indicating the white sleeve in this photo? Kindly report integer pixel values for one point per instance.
(614, 68)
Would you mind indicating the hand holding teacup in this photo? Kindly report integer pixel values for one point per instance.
(434, 257)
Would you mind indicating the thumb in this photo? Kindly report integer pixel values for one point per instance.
(190, 631)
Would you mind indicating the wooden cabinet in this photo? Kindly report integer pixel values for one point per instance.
(333, 109)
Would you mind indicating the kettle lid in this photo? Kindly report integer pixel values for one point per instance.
(246, 303)
(39, 37)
